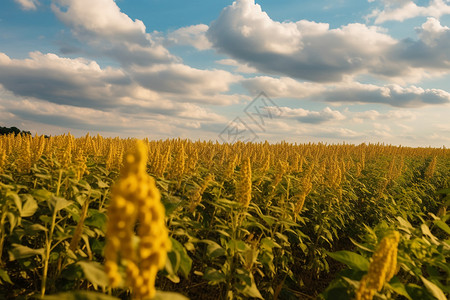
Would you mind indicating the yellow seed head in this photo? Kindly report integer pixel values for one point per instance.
(244, 185)
(381, 269)
(135, 199)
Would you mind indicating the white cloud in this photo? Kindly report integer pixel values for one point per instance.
(77, 82)
(401, 10)
(240, 67)
(187, 83)
(347, 92)
(28, 4)
(193, 35)
(311, 117)
(165, 89)
(102, 25)
(312, 51)
(302, 49)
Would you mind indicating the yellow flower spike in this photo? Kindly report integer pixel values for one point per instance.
(381, 269)
(244, 185)
(135, 199)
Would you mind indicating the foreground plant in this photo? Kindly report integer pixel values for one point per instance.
(381, 269)
(135, 199)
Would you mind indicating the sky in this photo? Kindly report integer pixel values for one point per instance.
(350, 71)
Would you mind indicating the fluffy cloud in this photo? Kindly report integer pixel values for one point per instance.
(191, 35)
(304, 49)
(171, 119)
(240, 67)
(401, 10)
(185, 82)
(77, 82)
(101, 24)
(82, 83)
(391, 94)
(312, 51)
(28, 4)
(311, 117)
(347, 92)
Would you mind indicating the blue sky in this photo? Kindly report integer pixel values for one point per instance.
(331, 71)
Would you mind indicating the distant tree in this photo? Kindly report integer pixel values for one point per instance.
(15, 130)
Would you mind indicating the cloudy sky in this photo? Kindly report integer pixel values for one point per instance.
(312, 70)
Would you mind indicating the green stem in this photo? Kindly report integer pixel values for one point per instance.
(2, 234)
(59, 182)
(48, 244)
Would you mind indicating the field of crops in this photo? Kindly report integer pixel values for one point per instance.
(103, 218)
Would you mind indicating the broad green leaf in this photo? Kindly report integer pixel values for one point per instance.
(41, 194)
(252, 291)
(442, 225)
(433, 289)
(185, 261)
(398, 287)
(94, 272)
(214, 276)
(16, 199)
(4, 277)
(360, 245)
(12, 221)
(61, 203)
(172, 265)
(29, 207)
(80, 295)
(160, 295)
(101, 184)
(268, 243)
(351, 259)
(19, 251)
(96, 219)
(215, 250)
(426, 231)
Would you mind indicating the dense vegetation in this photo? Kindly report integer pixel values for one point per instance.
(13, 130)
(246, 220)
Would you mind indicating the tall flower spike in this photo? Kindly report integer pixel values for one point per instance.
(135, 199)
(381, 269)
(244, 185)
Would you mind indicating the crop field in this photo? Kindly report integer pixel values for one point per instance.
(110, 218)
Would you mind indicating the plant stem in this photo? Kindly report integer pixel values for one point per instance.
(48, 244)
(2, 234)
(59, 182)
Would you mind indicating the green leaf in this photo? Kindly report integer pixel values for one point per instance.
(398, 287)
(215, 250)
(96, 219)
(252, 291)
(101, 184)
(41, 194)
(4, 277)
(351, 259)
(160, 295)
(426, 231)
(72, 272)
(19, 251)
(185, 261)
(433, 289)
(442, 225)
(16, 199)
(61, 203)
(80, 295)
(268, 244)
(29, 207)
(94, 272)
(214, 276)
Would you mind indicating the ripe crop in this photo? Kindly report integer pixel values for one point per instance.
(118, 217)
